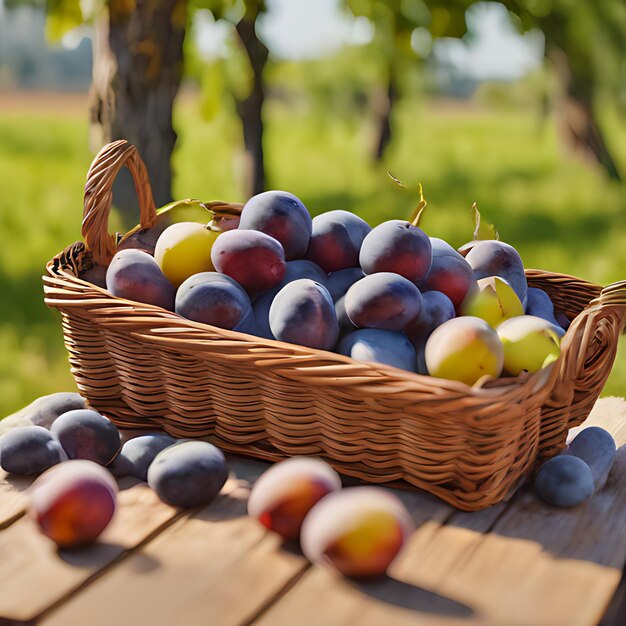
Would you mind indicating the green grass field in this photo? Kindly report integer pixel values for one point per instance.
(559, 212)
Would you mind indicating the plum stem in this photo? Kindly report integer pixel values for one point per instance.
(419, 210)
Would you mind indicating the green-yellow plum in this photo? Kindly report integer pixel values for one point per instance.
(464, 349)
(530, 343)
(359, 531)
(184, 249)
(494, 301)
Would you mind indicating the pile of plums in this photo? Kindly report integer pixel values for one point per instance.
(74, 498)
(389, 294)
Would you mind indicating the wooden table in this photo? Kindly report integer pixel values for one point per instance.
(521, 563)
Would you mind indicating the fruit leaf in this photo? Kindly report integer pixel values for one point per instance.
(483, 231)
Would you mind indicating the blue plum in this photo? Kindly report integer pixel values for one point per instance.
(399, 247)
(281, 215)
(189, 473)
(384, 300)
(564, 481)
(304, 313)
(380, 346)
(496, 258)
(303, 268)
(596, 447)
(261, 305)
(138, 453)
(295, 271)
(85, 434)
(135, 275)
(339, 282)
(437, 308)
(213, 298)
(336, 240)
(29, 450)
(538, 303)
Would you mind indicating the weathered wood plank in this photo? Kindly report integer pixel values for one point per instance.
(12, 497)
(535, 565)
(34, 574)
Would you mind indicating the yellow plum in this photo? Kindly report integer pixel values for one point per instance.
(464, 349)
(530, 343)
(184, 249)
(494, 301)
(359, 531)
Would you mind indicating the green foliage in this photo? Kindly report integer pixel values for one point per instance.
(61, 17)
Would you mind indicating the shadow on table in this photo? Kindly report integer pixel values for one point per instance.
(408, 596)
(572, 533)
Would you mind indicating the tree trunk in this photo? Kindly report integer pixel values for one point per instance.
(250, 109)
(579, 125)
(138, 65)
(386, 111)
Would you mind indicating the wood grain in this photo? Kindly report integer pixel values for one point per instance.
(35, 575)
(12, 497)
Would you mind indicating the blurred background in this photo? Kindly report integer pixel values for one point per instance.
(519, 106)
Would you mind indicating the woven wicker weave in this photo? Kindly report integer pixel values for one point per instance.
(145, 367)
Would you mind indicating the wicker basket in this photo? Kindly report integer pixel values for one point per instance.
(145, 367)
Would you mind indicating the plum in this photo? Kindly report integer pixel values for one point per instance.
(449, 273)
(255, 260)
(184, 249)
(29, 450)
(530, 343)
(73, 503)
(339, 282)
(437, 308)
(493, 301)
(380, 346)
(138, 453)
(303, 268)
(596, 447)
(303, 313)
(43, 411)
(135, 275)
(464, 349)
(213, 298)
(564, 481)
(189, 473)
(538, 303)
(384, 300)
(336, 240)
(85, 434)
(496, 258)
(399, 247)
(359, 531)
(281, 215)
(281, 498)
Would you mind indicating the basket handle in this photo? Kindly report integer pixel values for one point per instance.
(99, 196)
